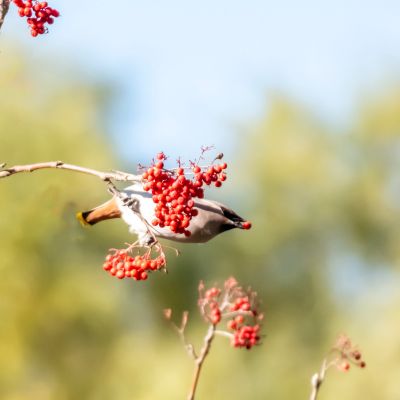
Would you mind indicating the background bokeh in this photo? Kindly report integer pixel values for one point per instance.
(304, 100)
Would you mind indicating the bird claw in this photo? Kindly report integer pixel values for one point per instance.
(150, 241)
(133, 204)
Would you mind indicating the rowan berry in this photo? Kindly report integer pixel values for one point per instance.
(215, 316)
(239, 319)
(344, 366)
(232, 324)
(246, 225)
(213, 292)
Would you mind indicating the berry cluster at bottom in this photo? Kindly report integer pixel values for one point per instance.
(121, 265)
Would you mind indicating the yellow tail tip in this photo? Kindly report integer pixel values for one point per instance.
(81, 219)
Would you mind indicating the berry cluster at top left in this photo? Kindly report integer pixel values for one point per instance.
(38, 14)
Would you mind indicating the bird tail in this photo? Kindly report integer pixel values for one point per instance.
(108, 210)
(81, 217)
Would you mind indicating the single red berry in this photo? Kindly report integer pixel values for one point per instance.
(55, 13)
(239, 319)
(231, 324)
(246, 225)
(120, 274)
(344, 366)
(107, 266)
(143, 276)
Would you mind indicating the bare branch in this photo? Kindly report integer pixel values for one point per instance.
(105, 176)
(180, 330)
(317, 379)
(4, 5)
(200, 360)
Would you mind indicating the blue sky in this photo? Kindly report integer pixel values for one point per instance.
(189, 73)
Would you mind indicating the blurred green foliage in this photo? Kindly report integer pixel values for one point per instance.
(323, 255)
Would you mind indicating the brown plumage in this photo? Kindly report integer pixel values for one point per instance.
(107, 210)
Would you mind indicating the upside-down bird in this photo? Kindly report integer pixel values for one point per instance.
(136, 208)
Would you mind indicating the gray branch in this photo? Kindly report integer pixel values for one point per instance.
(4, 5)
(105, 176)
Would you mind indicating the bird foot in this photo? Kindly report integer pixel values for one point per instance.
(133, 204)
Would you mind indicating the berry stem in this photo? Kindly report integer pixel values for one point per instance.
(4, 5)
(199, 361)
(224, 334)
(231, 314)
(317, 379)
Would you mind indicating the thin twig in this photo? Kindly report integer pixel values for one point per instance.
(231, 314)
(105, 176)
(4, 5)
(200, 360)
(181, 333)
(224, 334)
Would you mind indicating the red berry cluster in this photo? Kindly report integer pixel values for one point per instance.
(241, 304)
(238, 306)
(246, 336)
(122, 265)
(37, 13)
(347, 354)
(173, 192)
(214, 314)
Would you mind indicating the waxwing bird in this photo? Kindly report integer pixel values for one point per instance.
(137, 210)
